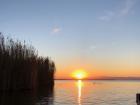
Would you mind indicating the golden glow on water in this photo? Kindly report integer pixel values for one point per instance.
(97, 92)
(79, 84)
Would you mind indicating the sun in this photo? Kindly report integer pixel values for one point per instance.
(79, 74)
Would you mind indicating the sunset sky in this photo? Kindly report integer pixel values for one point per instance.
(101, 37)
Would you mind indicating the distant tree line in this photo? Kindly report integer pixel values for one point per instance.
(21, 68)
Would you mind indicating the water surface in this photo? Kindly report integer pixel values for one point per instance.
(96, 92)
(67, 92)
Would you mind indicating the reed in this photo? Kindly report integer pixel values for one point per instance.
(21, 68)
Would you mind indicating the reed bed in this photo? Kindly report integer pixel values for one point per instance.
(21, 68)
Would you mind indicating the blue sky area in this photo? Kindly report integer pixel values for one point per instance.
(99, 33)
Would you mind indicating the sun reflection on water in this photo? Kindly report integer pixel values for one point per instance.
(79, 84)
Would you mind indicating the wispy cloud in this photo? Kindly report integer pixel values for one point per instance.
(92, 47)
(56, 29)
(125, 9)
(108, 16)
(128, 6)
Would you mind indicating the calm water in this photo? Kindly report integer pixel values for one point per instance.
(78, 93)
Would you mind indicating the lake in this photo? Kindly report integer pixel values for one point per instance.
(72, 92)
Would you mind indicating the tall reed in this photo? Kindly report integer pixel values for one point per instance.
(21, 68)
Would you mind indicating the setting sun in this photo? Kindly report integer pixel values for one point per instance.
(79, 74)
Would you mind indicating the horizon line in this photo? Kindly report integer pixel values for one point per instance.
(102, 78)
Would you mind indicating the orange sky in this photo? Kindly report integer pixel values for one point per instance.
(63, 74)
(98, 69)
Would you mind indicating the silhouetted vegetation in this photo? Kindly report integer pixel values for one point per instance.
(41, 97)
(21, 68)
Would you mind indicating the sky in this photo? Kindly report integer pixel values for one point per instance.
(101, 37)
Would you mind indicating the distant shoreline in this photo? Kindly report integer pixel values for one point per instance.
(105, 79)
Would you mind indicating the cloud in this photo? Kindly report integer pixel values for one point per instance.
(108, 16)
(129, 4)
(125, 9)
(92, 47)
(56, 29)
